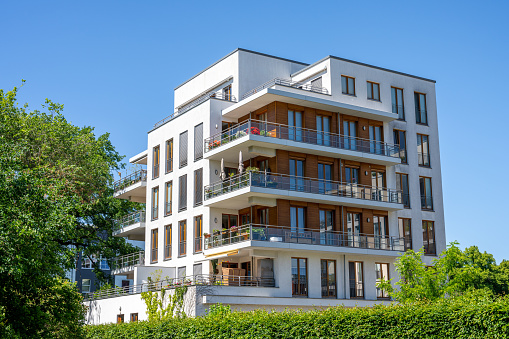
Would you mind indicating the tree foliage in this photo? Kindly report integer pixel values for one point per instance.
(56, 200)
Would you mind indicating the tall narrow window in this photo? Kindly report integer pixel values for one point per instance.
(155, 203)
(182, 237)
(227, 93)
(405, 232)
(351, 175)
(400, 141)
(325, 177)
(198, 142)
(167, 242)
(356, 274)
(168, 193)
(328, 275)
(323, 136)
(350, 135)
(296, 175)
(421, 114)
(295, 125)
(155, 159)
(353, 227)
(423, 150)
(154, 248)
(373, 91)
(382, 273)
(183, 149)
(263, 216)
(377, 185)
(348, 85)
(397, 102)
(198, 231)
(183, 192)
(169, 156)
(426, 193)
(381, 232)
(326, 227)
(376, 138)
(198, 187)
(299, 277)
(402, 185)
(297, 219)
(428, 237)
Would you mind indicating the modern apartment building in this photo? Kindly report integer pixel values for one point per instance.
(280, 184)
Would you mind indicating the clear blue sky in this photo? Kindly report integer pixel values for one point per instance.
(114, 64)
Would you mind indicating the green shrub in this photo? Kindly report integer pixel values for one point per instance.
(475, 315)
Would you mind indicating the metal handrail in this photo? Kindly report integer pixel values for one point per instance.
(302, 184)
(286, 234)
(193, 280)
(130, 219)
(129, 260)
(299, 134)
(193, 104)
(287, 83)
(131, 179)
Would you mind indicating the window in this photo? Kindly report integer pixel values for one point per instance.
(86, 262)
(183, 193)
(198, 230)
(351, 175)
(426, 193)
(198, 142)
(153, 252)
(296, 175)
(397, 102)
(423, 150)
(182, 237)
(405, 232)
(299, 277)
(228, 221)
(317, 83)
(348, 85)
(183, 149)
(168, 193)
(295, 125)
(263, 165)
(263, 216)
(120, 318)
(325, 177)
(103, 264)
(262, 117)
(328, 273)
(355, 271)
(134, 317)
(350, 135)
(86, 285)
(167, 242)
(297, 219)
(421, 115)
(246, 218)
(169, 155)
(181, 272)
(428, 237)
(353, 227)
(155, 159)
(198, 187)
(377, 184)
(376, 138)
(381, 232)
(402, 185)
(326, 226)
(400, 141)
(373, 91)
(382, 273)
(155, 202)
(227, 93)
(323, 136)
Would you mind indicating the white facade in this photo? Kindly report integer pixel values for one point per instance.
(244, 71)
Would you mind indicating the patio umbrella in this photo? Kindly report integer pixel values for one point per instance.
(222, 175)
(241, 163)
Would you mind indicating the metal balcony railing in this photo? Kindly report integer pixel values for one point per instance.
(131, 179)
(193, 280)
(194, 103)
(129, 260)
(302, 135)
(130, 219)
(302, 184)
(287, 83)
(285, 234)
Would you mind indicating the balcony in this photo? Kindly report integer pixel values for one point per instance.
(132, 187)
(282, 186)
(277, 235)
(253, 137)
(131, 226)
(126, 263)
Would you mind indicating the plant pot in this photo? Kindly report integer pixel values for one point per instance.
(245, 235)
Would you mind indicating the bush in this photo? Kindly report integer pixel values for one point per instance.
(475, 315)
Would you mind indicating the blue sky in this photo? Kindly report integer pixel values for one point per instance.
(114, 64)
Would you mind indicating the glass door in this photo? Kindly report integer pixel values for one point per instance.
(295, 125)
(296, 175)
(323, 130)
(326, 226)
(350, 135)
(375, 140)
(297, 219)
(353, 225)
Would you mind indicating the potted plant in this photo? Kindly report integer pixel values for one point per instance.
(255, 130)
(206, 235)
(245, 232)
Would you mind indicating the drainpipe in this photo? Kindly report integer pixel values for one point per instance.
(344, 275)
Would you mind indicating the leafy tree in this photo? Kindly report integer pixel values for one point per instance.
(56, 200)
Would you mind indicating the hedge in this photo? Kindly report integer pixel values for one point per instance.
(472, 316)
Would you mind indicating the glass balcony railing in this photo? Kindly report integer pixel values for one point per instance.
(301, 135)
(130, 219)
(130, 180)
(129, 260)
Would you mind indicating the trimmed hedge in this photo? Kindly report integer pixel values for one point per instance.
(472, 316)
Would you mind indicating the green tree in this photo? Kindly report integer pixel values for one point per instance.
(56, 200)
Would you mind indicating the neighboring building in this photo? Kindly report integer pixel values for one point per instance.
(341, 175)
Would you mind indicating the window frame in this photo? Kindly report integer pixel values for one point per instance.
(297, 287)
(399, 181)
(156, 161)
(155, 203)
(426, 243)
(89, 285)
(154, 248)
(198, 229)
(182, 224)
(407, 239)
(169, 156)
(355, 279)
(183, 155)
(397, 133)
(425, 196)
(328, 285)
(198, 187)
(395, 89)
(167, 241)
(421, 151)
(168, 198)
(346, 89)
(385, 294)
(182, 203)
(418, 111)
(370, 84)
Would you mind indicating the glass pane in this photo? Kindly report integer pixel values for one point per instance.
(302, 219)
(351, 86)
(298, 124)
(343, 84)
(293, 218)
(376, 92)
(370, 91)
(394, 101)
